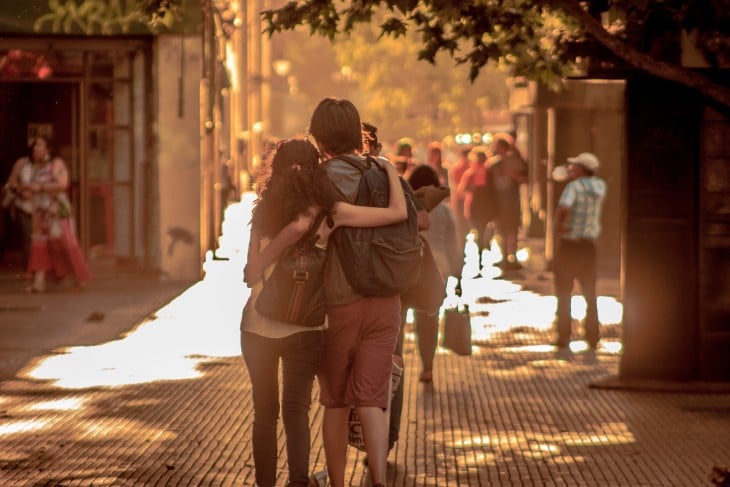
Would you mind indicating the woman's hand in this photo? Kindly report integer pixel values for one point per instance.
(252, 274)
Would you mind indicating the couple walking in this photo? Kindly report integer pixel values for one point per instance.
(351, 354)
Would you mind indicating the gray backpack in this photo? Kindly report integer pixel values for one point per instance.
(385, 260)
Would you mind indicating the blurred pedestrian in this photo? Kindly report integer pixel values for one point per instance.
(472, 183)
(434, 159)
(507, 171)
(291, 195)
(404, 160)
(577, 226)
(441, 238)
(54, 247)
(456, 172)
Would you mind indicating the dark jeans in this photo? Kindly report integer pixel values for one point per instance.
(300, 356)
(576, 259)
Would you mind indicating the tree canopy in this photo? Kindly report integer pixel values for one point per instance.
(544, 40)
(406, 97)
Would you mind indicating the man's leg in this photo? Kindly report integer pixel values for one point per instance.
(563, 280)
(334, 439)
(587, 277)
(375, 433)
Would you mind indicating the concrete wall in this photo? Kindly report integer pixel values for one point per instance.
(178, 155)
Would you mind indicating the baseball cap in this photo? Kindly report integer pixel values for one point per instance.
(586, 159)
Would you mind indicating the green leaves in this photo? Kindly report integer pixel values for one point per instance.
(394, 27)
(536, 37)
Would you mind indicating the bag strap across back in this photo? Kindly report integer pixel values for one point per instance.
(355, 162)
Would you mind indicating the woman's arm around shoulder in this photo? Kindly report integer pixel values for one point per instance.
(345, 214)
(259, 259)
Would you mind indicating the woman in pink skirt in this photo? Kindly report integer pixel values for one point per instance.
(54, 248)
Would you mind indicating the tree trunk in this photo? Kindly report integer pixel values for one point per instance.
(639, 60)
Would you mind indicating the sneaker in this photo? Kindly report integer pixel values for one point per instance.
(564, 353)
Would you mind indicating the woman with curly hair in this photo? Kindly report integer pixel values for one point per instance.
(291, 196)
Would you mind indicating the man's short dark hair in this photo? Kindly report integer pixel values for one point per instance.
(335, 125)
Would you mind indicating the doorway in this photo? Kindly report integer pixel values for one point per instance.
(28, 109)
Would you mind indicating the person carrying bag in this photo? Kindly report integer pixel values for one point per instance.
(442, 258)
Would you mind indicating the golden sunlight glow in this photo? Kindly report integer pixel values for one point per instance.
(119, 429)
(545, 446)
(543, 348)
(22, 426)
(541, 451)
(167, 347)
(71, 404)
(173, 342)
(231, 63)
(523, 254)
(614, 347)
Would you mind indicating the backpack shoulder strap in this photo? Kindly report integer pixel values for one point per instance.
(359, 164)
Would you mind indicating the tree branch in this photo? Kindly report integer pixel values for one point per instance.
(641, 61)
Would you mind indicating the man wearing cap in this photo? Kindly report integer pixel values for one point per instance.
(577, 226)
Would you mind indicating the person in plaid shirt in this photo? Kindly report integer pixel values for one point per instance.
(577, 226)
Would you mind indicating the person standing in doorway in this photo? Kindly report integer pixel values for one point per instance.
(577, 226)
(54, 247)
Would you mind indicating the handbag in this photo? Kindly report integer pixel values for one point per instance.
(457, 330)
(294, 292)
(429, 291)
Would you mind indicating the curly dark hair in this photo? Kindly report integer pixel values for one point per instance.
(292, 181)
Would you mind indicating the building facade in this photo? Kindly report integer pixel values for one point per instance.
(665, 153)
(139, 113)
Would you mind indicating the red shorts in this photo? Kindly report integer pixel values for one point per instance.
(358, 353)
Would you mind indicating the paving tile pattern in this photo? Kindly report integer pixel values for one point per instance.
(498, 417)
(508, 415)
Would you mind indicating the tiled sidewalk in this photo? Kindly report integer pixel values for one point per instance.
(157, 395)
(180, 413)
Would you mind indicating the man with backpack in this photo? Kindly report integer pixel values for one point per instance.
(363, 283)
